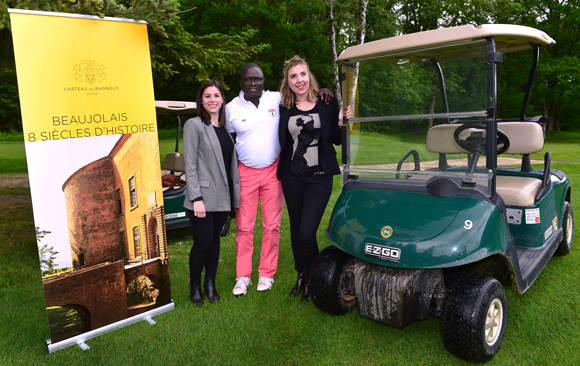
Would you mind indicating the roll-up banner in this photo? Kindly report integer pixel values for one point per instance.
(88, 115)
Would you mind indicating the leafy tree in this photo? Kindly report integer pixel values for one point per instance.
(46, 254)
(290, 26)
(558, 78)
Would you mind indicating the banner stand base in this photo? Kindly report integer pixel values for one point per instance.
(82, 338)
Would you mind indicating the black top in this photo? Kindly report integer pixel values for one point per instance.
(330, 134)
(227, 146)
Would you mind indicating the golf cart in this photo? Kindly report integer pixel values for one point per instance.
(443, 233)
(174, 188)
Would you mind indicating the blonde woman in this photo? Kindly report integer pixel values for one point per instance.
(307, 131)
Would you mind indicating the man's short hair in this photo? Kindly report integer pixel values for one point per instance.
(249, 66)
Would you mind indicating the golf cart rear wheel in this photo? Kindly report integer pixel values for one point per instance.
(568, 228)
(226, 226)
(331, 281)
(474, 317)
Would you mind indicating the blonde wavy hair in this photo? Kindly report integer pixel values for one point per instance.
(288, 96)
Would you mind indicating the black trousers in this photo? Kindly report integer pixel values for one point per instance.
(306, 199)
(205, 251)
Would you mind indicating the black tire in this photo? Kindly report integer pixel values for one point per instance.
(464, 317)
(568, 227)
(226, 226)
(331, 281)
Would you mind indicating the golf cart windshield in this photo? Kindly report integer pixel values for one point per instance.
(424, 104)
(400, 101)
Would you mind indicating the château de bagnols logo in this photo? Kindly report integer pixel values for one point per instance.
(90, 72)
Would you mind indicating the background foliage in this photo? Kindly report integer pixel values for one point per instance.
(195, 40)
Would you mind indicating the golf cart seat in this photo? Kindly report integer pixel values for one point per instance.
(525, 138)
(175, 163)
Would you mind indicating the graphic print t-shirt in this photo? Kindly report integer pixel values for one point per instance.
(305, 130)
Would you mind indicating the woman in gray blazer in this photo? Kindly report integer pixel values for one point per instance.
(213, 186)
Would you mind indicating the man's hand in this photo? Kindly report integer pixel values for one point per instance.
(326, 95)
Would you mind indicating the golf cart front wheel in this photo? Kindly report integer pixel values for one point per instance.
(568, 228)
(331, 281)
(474, 317)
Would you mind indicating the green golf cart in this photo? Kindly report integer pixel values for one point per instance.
(174, 170)
(442, 204)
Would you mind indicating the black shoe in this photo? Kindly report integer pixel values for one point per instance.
(195, 293)
(299, 285)
(210, 290)
(306, 293)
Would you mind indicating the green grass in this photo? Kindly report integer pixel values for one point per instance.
(12, 158)
(271, 328)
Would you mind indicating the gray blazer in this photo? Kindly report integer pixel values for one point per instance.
(205, 172)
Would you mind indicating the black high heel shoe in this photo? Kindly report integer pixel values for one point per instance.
(299, 285)
(306, 293)
(210, 290)
(195, 293)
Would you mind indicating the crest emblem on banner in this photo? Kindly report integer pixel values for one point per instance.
(89, 72)
(272, 112)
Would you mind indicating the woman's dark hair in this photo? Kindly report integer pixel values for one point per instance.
(203, 114)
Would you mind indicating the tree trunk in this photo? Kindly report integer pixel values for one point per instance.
(554, 110)
(360, 37)
(333, 53)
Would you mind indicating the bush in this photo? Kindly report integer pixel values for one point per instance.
(11, 136)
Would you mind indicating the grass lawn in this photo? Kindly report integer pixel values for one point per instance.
(271, 328)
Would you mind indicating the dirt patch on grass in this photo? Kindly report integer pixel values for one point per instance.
(8, 199)
(14, 180)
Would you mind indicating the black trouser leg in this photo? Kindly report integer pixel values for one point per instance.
(205, 251)
(306, 199)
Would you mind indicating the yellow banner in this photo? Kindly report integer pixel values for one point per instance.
(68, 89)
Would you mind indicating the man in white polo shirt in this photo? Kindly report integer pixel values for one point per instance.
(253, 118)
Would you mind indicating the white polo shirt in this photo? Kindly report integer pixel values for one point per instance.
(256, 129)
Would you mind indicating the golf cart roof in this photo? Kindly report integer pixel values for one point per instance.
(175, 107)
(448, 43)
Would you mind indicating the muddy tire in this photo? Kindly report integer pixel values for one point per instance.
(474, 317)
(568, 228)
(331, 281)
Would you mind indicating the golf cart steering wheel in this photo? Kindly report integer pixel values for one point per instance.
(476, 141)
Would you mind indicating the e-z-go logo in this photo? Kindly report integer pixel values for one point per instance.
(382, 252)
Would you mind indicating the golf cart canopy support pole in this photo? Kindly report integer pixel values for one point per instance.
(178, 133)
(536, 51)
(493, 58)
(441, 86)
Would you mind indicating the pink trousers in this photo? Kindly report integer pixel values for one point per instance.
(258, 185)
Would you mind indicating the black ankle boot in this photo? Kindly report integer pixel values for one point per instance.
(306, 293)
(210, 290)
(299, 285)
(195, 293)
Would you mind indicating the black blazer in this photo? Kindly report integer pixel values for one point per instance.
(331, 134)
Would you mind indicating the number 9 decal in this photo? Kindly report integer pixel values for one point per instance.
(468, 224)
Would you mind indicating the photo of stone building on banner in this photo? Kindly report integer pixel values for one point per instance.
(117, 240)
